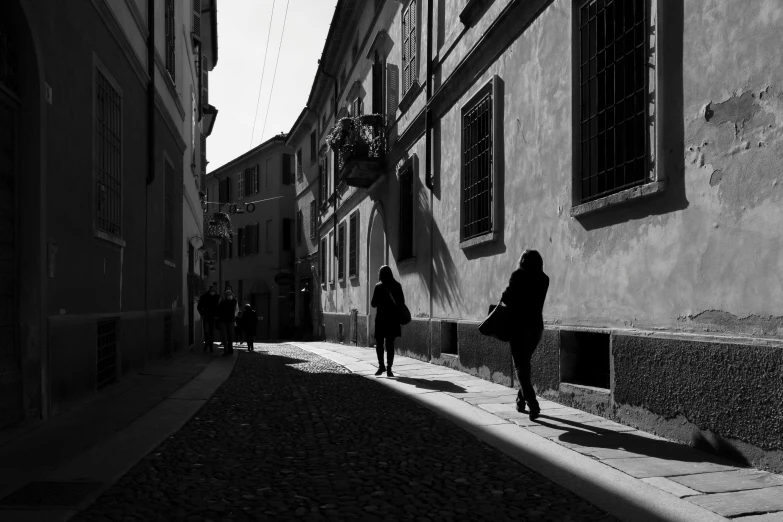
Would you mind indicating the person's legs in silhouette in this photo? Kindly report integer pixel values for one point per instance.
(389, 356)
(379, 353)
(522, 349)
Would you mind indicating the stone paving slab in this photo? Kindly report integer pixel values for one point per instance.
(724, 481)
(742, 502)
(656, 467)
(669, 486)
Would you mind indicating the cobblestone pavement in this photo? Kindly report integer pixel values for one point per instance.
(292, 436)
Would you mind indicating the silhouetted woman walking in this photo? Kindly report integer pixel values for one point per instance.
(226, 315)
(386, 297)
(525, 296)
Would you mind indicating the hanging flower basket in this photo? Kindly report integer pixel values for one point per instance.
(219, 226)
(358, 137)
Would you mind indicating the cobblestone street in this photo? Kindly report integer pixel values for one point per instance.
(292, 435)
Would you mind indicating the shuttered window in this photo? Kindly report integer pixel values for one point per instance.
(171, 52)
(241, 242)
(313, 224)
(299, 226)
(406, 213)
(341, 251)
(197, 18)
(313, 147)
(324, 173)
(241, 185)
(251, 180)
(353, 243)
(286, 166)
(299, 164)
(409, 47)
(204, 81)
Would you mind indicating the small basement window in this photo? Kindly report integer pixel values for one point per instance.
(448, 338)
(584, 358)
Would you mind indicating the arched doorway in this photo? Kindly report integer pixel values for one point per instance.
(23, 393)
(376, 259)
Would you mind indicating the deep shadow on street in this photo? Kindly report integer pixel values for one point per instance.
(292, 435)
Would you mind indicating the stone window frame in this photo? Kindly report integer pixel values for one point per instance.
(655, 182)
(496, 212)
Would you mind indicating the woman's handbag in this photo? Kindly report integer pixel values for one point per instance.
(498, 322)
(403, 314)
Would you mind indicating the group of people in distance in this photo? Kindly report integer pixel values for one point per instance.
(223, 313)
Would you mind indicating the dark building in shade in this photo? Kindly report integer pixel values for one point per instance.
(94, 154)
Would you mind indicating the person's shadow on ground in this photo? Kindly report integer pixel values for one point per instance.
(588, 435)
(442, 386)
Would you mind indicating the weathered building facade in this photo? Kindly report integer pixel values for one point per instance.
(635, 144)
(257, 191)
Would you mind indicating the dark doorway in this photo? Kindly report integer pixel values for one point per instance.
(307, 316)
(260, 303)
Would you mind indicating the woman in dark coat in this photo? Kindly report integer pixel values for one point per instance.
(525, 296)
(249, 322)
(387, 323)
(226, 315)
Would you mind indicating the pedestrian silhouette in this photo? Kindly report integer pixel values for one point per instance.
(227, 312)
(525, 296)
(388, 298)
(207, 308)
(249, 323)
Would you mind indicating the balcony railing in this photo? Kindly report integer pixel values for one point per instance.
(360, 144)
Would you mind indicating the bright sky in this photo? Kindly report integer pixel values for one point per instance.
(243, 29)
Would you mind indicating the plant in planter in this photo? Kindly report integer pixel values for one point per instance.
(219, 226)
(356, 137)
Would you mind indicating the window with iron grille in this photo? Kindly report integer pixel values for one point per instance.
(106, 353)
(108, 154)
(171, 52)
(613, 81)
(353, 243)
(313, 147)
(409, 76)
(341, 251)
(170, 184)
(406, 213)
(323, 261)
(477, 165)
(299, 226)
(313, 223)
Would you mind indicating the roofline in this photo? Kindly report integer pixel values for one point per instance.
(297, 124)
(327, 44)
(280, 138)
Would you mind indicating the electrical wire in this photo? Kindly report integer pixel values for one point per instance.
(240, 202)
(271, 91)
(263, 69)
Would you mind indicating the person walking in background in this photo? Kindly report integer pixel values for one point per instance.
(248, 322)
(386, 297)
(525, 297)
(207, 308)
(226, 315)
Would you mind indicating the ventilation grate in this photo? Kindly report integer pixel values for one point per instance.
(50, 494)
(107, 353)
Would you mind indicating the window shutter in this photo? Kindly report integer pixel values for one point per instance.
(241, 185)
(197, 18)
(170, 39)
(392, 90)
(312, 219)
(255, 179)
(412, 46)
(287, 169)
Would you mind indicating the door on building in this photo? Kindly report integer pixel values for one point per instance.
(260, 303)
(377, 258)
(10, 355)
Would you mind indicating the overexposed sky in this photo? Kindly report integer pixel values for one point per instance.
(243, 27)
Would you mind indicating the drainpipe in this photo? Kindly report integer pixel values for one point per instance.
(428, 153)
(150, 146)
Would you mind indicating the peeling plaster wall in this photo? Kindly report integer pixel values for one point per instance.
(711, 262)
